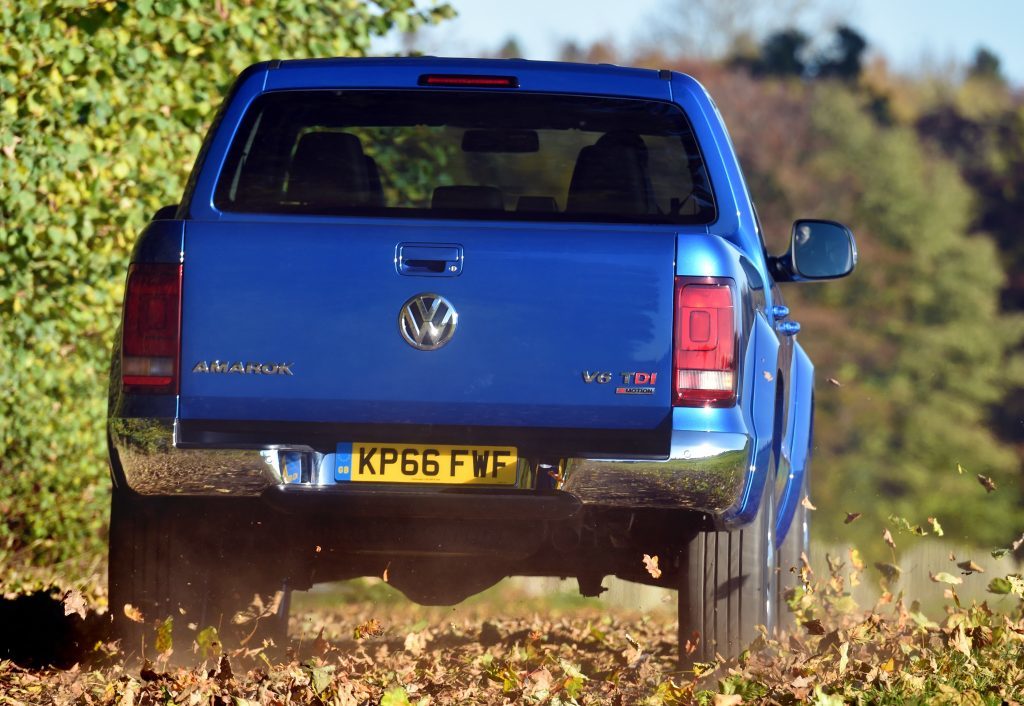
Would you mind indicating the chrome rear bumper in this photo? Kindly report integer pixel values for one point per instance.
(705, 471)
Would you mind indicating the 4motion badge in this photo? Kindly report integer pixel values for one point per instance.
(632, 383)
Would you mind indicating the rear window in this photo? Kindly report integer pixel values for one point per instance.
(466, 154)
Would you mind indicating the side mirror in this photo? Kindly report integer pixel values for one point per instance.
(166, 213)
(818, 250)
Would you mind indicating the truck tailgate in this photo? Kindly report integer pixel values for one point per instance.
(541, 310)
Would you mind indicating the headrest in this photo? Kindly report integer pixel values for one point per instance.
(329, 169)
(468, 198)
(611, 176)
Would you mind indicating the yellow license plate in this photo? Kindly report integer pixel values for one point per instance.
(359, 462)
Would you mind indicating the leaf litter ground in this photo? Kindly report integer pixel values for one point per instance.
(367, 647)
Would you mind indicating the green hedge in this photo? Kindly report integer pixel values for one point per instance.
(102, 110)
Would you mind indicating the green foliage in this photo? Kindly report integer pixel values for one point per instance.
(103, 106)
(921, 346)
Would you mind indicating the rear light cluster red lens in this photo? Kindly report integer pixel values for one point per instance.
(152, 325)
(705, 343)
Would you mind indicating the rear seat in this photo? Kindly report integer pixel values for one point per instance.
(330, 169)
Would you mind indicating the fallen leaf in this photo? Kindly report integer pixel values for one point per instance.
(944, 577)
(74, 602)
(959, 641)
(416, 642)
(148, 672)
(727, 700)
(651, 564)
(987, 483)
(806, 502)
(851, 517)
(970, 567)
(833, 381)
(132, 613)
(844, 656)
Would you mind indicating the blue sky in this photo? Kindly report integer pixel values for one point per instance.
(906, 31)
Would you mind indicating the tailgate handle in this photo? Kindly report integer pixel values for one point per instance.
(429, 259)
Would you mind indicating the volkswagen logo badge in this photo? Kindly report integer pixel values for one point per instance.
(427, 321)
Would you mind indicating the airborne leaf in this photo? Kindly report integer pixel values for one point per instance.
(806, 502)
(987, 483)
(944, 577)
(936, 527)
(969, 567)
(887, 537)
(651, 564)
(165, 636)
(74, 603)
(133, 613)
(890, 572)
(999, 586)
(370, 628)
(851, 517)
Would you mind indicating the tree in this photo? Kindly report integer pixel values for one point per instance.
(986, 66)
(510, 49)
(102, 109)
(782, 54)
(712, 29)
(843, 59)
(922, 350)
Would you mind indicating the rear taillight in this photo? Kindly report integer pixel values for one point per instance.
(152, 326)
(704, 365)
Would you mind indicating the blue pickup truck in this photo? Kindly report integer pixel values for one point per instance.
(448, 321)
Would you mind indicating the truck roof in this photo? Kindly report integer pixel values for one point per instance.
(405, 72)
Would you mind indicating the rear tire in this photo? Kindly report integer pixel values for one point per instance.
(727, 588)
(190, 560)
(793, 546)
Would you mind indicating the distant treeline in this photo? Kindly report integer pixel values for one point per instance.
(919, 354)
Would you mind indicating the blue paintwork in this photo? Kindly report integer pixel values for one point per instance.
(537, 306)
(539, 303)
(797, 444)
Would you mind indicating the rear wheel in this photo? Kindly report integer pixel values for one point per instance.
(794, 544)
(190, 560)
(727, 587)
